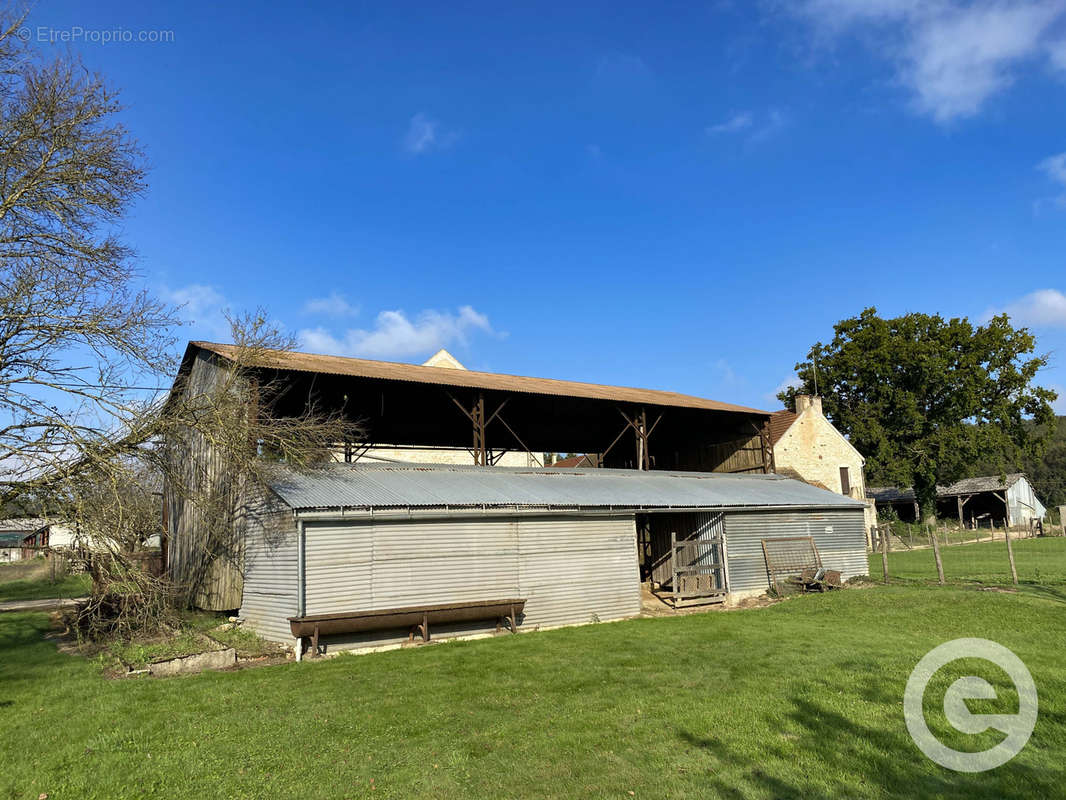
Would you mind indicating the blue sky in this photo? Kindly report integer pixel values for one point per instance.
(677, 196)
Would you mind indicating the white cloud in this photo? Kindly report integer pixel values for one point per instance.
(335, 305)
(725, 375)
(757, 127)
(1055, 169)
(202, 308)
(775, 121)
(952, 56)
(789, 382)
(738, 121)
(425, 134)
(1056, 51)
(394, 335)
(1043, 308)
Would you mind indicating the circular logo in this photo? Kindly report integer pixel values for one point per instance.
(1018, 727)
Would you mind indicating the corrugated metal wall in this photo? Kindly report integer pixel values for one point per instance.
(270, 575)
(839, 535)
(1024, 504)
(569, 569)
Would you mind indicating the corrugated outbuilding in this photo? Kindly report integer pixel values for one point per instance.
(572, 543)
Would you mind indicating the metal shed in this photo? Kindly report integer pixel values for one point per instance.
(352, 538)
(986, 500)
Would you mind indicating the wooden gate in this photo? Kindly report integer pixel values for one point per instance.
(688, 557)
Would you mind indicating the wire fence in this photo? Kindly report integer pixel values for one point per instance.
(993, 557)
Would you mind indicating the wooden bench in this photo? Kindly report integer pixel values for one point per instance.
(416, 619)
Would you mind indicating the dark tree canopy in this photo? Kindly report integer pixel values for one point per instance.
(925, 399)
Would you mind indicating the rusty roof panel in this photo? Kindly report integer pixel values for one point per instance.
(444, 376)
(780, 422)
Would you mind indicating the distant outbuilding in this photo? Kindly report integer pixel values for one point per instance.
(982, 501)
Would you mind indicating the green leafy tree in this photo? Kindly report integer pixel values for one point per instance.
(924, 398)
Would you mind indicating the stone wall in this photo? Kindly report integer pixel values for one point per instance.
(816, 450)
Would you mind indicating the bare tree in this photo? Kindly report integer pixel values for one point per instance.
(214, 448)
(80, 339)
(78, 334)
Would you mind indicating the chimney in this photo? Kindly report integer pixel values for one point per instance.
(811, 401)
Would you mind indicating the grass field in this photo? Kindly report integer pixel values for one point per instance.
(1041, 564)
(801, 699)
(31, 580)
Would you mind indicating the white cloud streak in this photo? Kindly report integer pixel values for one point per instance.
(789, 382)
(334, 305)
(952, 56)
(202, 308)
(1054, 167)
(1043, 308)
(425, 134)
(737, 122)
(395, 335)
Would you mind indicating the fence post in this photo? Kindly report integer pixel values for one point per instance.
(884, 559)
(1010, 555)
(936, 556)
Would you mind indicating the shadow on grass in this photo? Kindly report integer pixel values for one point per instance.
(24, 651)
(854, 759)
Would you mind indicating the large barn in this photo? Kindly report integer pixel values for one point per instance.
(572, 545)
(683, 496)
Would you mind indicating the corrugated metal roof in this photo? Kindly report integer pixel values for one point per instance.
(437, 486)
(445, 376)
(985, 483)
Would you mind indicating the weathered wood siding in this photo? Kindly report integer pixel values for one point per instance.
(207, 569)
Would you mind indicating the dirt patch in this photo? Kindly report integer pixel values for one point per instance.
(176, 651)
(654, 606)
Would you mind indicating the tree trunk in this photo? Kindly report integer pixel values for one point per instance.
(925, 495)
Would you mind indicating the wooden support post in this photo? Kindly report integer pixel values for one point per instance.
(936, 556)
(884, 559)
(917, 513)
(1010, 557)
(958, 500)
(477, 416)
(768, 463)
(673, 564)
(640, 426)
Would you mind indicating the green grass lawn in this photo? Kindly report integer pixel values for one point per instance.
(1041, 564)
(799, 700)
(41, 587)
